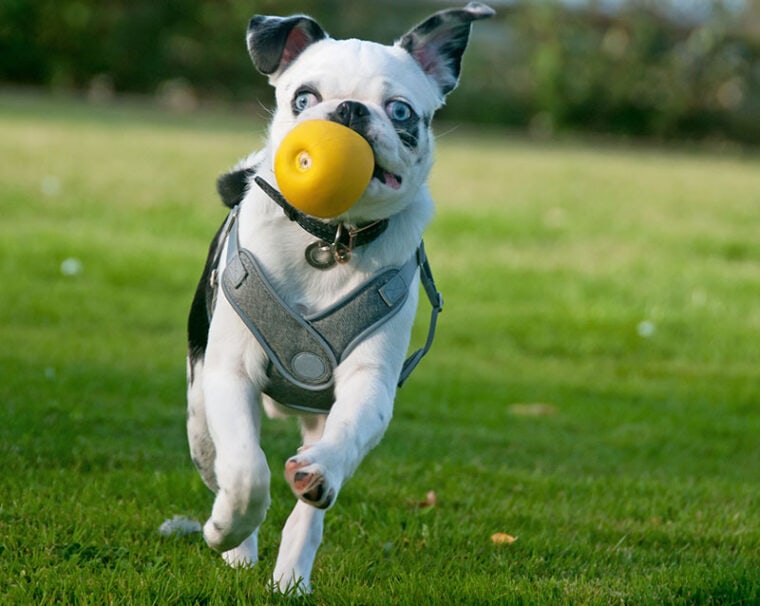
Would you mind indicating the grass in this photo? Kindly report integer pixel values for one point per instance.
(593, 389)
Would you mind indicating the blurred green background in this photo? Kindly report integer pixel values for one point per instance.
(593, 388)
(661, 69)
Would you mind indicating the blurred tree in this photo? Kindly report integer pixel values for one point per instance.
(636, 70)
(640, 69)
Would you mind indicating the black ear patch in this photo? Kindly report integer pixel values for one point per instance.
(438, 43)
(274, 42)
(232, 186)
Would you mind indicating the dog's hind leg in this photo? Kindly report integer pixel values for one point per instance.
(244, 555)
(204, 455)
(240, 467)
(202, 449)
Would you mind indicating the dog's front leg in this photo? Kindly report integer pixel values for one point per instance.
(301, 538)
(240, 467)
(365, 388)
(302, 533)
(356, 423)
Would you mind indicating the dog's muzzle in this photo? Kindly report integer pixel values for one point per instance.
(356, 116)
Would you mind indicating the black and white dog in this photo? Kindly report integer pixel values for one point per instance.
(314, 316)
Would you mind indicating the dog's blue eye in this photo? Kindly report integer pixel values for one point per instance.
(303, 100)
(399, 111)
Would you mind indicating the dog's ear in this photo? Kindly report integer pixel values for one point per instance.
(437, 44)
(274, 42)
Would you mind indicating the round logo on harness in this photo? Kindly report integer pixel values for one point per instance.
(309, 366)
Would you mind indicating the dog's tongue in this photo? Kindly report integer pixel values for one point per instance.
(392, 180)
(387, 177)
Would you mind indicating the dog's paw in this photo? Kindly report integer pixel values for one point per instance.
(244, 555)
(236, 514)
(309, 482)
(290, 587)
(224, 538)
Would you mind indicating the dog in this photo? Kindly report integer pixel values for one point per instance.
(299, 273)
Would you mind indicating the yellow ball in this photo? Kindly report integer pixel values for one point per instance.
(323, 167)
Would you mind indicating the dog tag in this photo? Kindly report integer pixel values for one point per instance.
(320, 255)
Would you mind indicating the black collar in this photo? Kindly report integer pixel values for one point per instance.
(338, 235)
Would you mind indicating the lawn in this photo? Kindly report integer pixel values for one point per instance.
(594, 388)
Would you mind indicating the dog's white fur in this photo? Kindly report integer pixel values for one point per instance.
(224, 385)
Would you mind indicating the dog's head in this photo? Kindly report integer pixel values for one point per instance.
(387, 94)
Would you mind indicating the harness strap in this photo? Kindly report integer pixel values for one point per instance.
(304, 351)
(436, 303)
(295, 349)
(217, 245)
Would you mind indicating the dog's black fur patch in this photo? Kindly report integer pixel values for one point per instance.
(232, 186)
(408, 135)
(438, 43)
(198, 321)
(274, 42)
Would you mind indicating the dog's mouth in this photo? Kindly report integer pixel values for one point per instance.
(386, 177)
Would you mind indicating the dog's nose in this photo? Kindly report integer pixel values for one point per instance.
(353, 114)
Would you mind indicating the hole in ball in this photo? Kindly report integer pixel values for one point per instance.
(304, 160)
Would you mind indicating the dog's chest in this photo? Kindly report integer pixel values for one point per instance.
(303, 350)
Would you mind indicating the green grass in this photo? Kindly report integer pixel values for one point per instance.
(638, 482)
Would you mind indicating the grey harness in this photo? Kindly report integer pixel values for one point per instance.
(304, 351)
